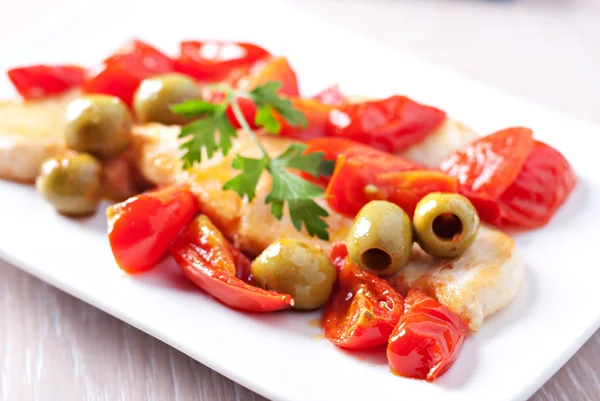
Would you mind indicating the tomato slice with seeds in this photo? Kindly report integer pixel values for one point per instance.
(362, 310)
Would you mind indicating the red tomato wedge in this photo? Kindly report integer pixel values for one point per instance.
(512, 179)
(390, 124)
(38, 81)
(121, 73)
(362, 175)
(427, 339)
(332, 96)
(212, 263)
(332, 148)
(337, 254)
(316, 114)
(141, 229)
(213, 61)
(489, 165)
(248, 109)
(275, 69)
(362, 310)
(542, 186)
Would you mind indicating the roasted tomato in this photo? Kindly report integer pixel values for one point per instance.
(213, 264)
(37, 81)
(121, 73)
(331, 96)
(363, 174)
(275, 69)
(427, 339)
(489, 165)
(141, 229)
(213, 61)
(362, 310)
(337, 254)
(512, 179)
(316, 114)
(391, 124)
(542, 186)
(332, 148)
(248, 109)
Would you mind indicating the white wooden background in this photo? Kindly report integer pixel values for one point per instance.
(54, 347)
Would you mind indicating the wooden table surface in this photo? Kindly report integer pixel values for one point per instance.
(55, 347)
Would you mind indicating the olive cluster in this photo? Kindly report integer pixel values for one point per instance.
(381, 239)
(98, 128)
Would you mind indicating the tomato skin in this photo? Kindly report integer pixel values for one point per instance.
(141, 229)
(489, 165)
(427, 339)
(363, 174)
(212, 263)
(333, 148)
(337, 254)
(390, 124)
(511, 179)
(362, 310)
(275, 69)
(542, 186)
(331, 96)
(213, 61)
(122, 72)
(316, 114)
(248, 109)
(38, 81)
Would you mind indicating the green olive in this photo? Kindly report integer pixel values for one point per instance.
(71, 183)
(99, 125)
(380, 239)
(155, 96)
(293, 267)
(445, 224)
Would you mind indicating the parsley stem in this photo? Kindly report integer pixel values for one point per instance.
(237, 112)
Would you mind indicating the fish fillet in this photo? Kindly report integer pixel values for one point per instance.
(474, 285)
(30, 132)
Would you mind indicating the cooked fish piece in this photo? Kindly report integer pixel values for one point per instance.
(450, 136)
(250, 225)
(474, 285)
(30, 132)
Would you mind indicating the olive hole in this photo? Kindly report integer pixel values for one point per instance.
(376, 259)
(447, 226)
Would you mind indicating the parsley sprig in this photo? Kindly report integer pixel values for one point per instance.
(213, 132)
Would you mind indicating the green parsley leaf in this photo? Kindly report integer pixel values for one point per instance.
(267, 95)
(266, 119)
(310, 213)
(226, 133)
(193, 108)
(292, 157)
(213, 132)
(299, 193)
(245, 183)
(326, 167)
(203, 137)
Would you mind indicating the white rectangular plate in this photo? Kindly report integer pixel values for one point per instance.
(282, 355)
